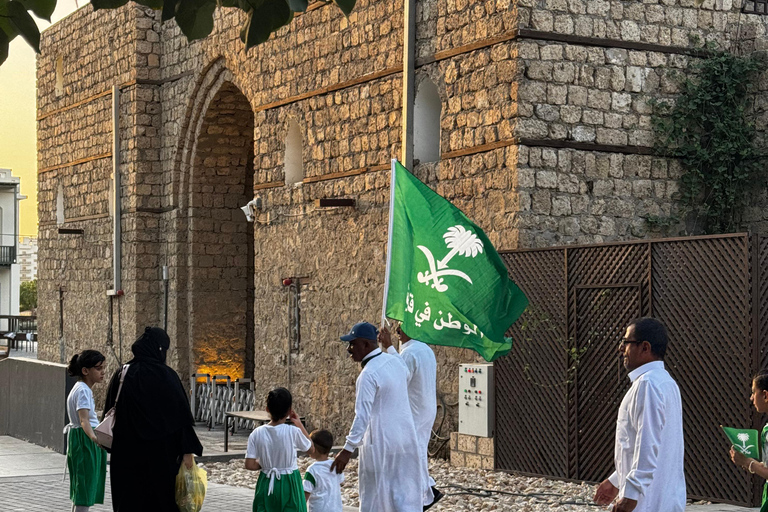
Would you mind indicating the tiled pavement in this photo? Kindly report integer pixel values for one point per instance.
(50, 493)
(32, 480)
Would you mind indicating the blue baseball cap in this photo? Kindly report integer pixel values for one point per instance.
(362, 330)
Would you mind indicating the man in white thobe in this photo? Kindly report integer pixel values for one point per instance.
(422, 393)
(390, 474)
(649, 431)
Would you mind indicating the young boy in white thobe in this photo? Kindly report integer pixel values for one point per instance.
(390, 474)
(322, 487)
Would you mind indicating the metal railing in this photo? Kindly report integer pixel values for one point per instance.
(212, 396)
(7, 255)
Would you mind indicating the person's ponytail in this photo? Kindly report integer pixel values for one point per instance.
(74, 369)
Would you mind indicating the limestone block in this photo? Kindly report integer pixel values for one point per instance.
(611, 136)
(547, 112)
(546, 179)
(620, 102)
(561, 206)
(473, 461)
(570, 114)
(457, 459)
(467, 443)
(485, 446)
(635, 79)
(602, 188)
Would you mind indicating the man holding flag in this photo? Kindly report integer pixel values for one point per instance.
(422, 395)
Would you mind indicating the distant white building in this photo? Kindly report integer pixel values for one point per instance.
(9, 245)
(27, 259)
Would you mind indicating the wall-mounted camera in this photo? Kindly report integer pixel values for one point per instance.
(250, 209)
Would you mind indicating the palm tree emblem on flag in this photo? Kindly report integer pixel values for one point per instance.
(744, 438)
(460, 241)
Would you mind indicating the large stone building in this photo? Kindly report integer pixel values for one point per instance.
(532, 116)
(27, 259)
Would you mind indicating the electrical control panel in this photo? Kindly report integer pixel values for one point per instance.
(476, 400)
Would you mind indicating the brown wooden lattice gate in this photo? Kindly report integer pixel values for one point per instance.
(558, 392)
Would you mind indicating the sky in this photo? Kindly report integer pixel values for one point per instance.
(18, 138)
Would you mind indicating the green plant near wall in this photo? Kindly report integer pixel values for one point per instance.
(708, 128)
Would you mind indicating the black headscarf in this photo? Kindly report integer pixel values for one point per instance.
(153, 403)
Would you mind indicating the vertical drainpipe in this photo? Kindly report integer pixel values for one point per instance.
(116, 234)
(409, 79)
(116, 291)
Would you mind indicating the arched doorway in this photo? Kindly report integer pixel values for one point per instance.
(220, 242)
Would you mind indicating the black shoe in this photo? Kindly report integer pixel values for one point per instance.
(438, 496)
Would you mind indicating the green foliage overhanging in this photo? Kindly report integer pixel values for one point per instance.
(708, 129)
(28, 295)
(194, 17)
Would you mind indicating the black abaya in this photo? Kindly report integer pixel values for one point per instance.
(153, 429)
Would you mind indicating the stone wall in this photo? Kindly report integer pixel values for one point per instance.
(544, 139)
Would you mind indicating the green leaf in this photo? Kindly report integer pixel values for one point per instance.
(16, 20)
(107, 4)
(298, 5)
(261, 22)
(195, 18)
(41, 8)
(346, 6)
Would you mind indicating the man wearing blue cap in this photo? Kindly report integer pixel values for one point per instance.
(390, 476)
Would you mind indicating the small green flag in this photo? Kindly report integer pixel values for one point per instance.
(445, 281)
(744, 440)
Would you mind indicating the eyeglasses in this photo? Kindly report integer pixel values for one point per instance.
(623, 342)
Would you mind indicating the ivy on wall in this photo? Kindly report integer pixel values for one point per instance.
(708, 128)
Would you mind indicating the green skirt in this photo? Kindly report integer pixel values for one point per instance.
(287, 495)
(764, 508)
(87, 464)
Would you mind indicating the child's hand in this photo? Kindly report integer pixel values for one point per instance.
(294, 418)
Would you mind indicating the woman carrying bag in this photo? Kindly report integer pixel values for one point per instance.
(154, 429)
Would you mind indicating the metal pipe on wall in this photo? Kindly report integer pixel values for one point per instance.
(117, 233)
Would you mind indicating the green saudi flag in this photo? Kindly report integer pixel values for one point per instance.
(445, 281)
(743, 440)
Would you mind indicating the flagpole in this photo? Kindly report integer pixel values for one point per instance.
(389, 240)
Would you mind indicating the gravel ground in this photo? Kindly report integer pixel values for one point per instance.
(519, 493)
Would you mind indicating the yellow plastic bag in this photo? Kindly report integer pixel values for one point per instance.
(191, 485)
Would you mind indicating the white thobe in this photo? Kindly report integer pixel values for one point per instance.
(649, 442)
(390, 477)
(422, 393)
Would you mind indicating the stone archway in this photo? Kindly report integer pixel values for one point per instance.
(220, 240)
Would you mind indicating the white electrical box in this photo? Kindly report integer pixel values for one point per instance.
(476, 400)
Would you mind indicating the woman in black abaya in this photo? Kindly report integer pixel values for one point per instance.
(153, 432)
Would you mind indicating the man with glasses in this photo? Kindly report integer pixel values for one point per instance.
(649, 432)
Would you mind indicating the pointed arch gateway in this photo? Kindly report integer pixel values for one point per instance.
(213, 307)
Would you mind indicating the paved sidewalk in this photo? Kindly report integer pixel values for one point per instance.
(31, 481)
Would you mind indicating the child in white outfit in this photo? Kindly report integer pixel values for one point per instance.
(322, 486)
(272, 449)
